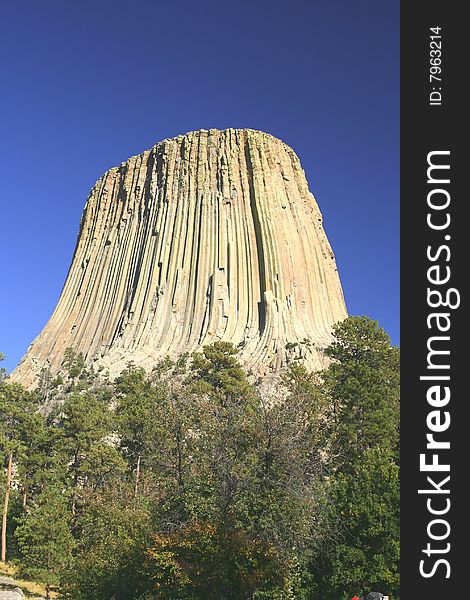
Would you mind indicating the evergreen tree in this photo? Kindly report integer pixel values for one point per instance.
(17, 428)
(138, 410)
(112, 534)
(362, 385)
(187, 483)
(216, 369)
(366, 551)
(45, 539)
(3, 371)
(85, 422)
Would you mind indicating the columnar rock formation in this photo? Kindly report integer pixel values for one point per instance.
(212, 235)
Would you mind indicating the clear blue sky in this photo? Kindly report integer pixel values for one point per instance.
(87, 84)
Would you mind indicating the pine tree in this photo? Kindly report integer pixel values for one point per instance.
(45, 539)
(85, 422)
(366, 551)
(139, 419)
(362, 386)
(17, 429)
(3, 371)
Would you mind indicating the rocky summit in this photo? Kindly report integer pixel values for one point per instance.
(212, 235)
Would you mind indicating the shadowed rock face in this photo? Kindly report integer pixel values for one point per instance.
(212, 235)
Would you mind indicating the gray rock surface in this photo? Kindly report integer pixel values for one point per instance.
(212, 235)
(11, 592)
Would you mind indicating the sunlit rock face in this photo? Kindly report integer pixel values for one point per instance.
(212, 235)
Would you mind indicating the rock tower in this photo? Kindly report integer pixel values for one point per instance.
(212, 235)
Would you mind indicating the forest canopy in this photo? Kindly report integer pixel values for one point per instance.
(190, 483)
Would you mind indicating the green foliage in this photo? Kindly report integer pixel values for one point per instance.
(218, 370)
(3, 372)
(138, 424)
(111, 538)
(45, 539)
(362, 384)
(73, 363)
(84, 421)
(17, 408)
(203, 561)
(366, 553)
(187, 483)
(22, 432)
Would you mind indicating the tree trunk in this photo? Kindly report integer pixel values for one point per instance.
(137, 476)
(75, 479)
(5, 509)
(180, 458)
